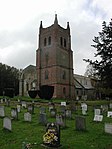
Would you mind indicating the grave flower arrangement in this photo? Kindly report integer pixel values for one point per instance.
(50, 138)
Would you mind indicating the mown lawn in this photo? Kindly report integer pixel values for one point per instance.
(93, 138)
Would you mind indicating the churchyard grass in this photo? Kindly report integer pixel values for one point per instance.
(93, 138)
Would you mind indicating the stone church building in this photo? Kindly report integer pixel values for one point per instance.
(54, 63)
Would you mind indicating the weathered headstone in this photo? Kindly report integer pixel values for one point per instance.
(63, 110)
(1, 100)
(27, 117)
(108, 128)
(7, 124)
(104, 108)
(80, 123)
(109, 114)
(97, 111)
(24, 105)
(14, 113)
(60, 120)
(98, 118)
(53, 112)
(52, 136)
(63, 104)
(68, 114)
(84, 108)
(110, 105)
(18, 108)
(2, 111)
(42, 109)
(43, 118)
(31, 108)
(8, 102)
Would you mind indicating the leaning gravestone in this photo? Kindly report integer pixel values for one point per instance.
(110, 105)
(80, 123)
(14, 113)
(2, 111)
(27, 117)
(43, 118)
(108, 128)
(7, 124)
(52, 136)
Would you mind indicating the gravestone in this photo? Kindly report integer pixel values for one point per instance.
(68, 114)
(1, 100)
(80, 123)
(98, 118)
(2, 111)
(8, 102)
(27, 117)
(24, 105)
(18, 108)
(63, 110)
(53, 112)
(109, 114)
(43, 118)
(31, 108)
(60, 120)
(7, 124)
(63, 104)
(104, 108)
(42, 110)
(110, 105)
(14, 113)
(84, 108)
(108, 128)
(97, 111)
(52, 136)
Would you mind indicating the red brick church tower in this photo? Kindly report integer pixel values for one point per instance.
(54, 60)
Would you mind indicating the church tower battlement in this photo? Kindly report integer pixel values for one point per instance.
(54, 59)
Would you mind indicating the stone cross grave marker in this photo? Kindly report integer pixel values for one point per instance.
(108, 128)
(14, 113)
(7, 124)
(2, 111)
(80, 123)
(52, 136)
(109, 114)
(43, 118)
(27, 117)
(98, 118)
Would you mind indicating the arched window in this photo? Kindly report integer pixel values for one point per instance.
(46, 74)
(64, 42)
(45, 41)
(49, 40)
(27, 86)
(64, 91)
(61, 41)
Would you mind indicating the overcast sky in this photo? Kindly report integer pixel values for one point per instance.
(20, 21)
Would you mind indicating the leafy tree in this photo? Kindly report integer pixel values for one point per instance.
(103, 65)
(9, 78)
